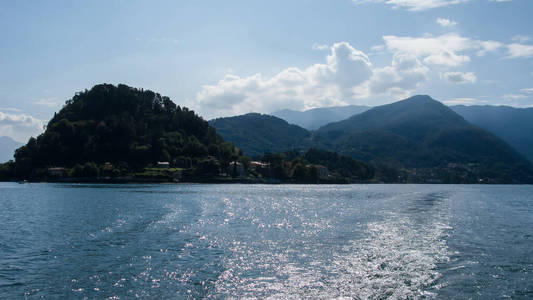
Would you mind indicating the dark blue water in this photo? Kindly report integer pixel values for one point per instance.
(258, 241)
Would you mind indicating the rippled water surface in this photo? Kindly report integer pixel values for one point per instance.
(265, 241)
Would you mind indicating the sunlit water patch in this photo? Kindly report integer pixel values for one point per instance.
(265, 241)
(395, 257)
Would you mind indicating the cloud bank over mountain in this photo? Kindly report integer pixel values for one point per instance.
(348, 75)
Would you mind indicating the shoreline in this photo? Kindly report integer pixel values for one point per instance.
(244, 181)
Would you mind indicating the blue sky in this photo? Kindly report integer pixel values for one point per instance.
(225, 58)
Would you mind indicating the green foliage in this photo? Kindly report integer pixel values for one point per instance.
(121, 125)
(7, 171)
(345, 166)
(257, 134)
(208, 167)
(90, 170)
(302, 167)
(77, 171)
(87, 170)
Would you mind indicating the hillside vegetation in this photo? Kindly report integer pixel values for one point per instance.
(127, 127)
(257, 134)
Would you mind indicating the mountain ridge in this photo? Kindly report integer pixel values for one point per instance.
(421, 136)
(420, 132)
(513, 125)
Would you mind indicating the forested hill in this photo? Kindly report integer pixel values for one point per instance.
(122, 125)
(257, 134)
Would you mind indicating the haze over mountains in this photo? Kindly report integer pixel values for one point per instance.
(7, 148)
(315, 118)
(513, 125)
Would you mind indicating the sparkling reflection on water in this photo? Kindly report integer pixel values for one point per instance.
(265, 241)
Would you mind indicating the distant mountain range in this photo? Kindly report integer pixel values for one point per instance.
(7, 148)
(419, 134)
(315, 118)
(513, 125)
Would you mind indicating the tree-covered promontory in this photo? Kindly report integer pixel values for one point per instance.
(126, 127)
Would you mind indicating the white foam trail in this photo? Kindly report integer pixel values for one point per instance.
(398, 260)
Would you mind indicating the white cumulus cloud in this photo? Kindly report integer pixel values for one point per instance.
(346, 75)
(516, 50)
(418, 5)
(460, 77)
(463, 101)
(315, 86)
(446, 50)
(19, 126)
(400, 79)
(446, 22)
(413, 5)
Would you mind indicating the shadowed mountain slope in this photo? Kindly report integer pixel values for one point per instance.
(257, 134)
(420, 132)
(513, 125)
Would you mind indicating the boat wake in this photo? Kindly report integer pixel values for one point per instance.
(396, 258)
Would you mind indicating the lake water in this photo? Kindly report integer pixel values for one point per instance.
(259, 241)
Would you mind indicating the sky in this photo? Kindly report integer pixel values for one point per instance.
(224, 58)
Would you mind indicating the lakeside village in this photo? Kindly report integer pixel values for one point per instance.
(243, 172)
(211, 171)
